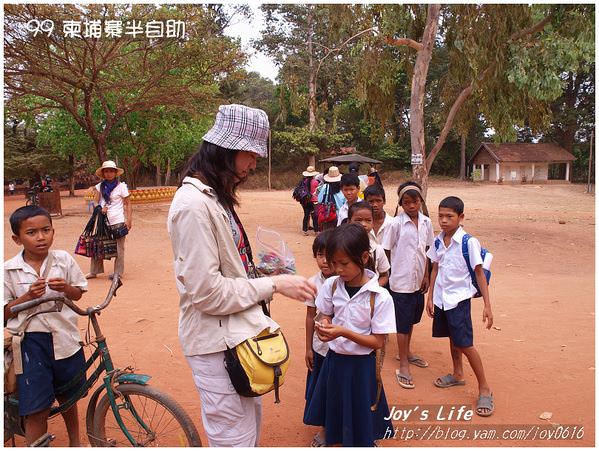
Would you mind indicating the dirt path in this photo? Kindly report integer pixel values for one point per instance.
(542, 293)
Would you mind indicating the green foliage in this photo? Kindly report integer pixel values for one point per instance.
(293, 142)
(24, 159)
(101, 81)
(61, 133)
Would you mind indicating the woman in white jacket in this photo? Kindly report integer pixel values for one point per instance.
(219, 301)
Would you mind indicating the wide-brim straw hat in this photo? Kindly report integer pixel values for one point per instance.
(310, 172)
(238, 127)
(333, 175)
(109, 164)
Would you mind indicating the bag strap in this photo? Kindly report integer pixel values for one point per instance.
(18, 336)
(248, 249)
(89, 227)
(466, 255)
(380, 353)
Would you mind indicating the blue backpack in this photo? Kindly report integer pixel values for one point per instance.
(301, 192)
(484, 254)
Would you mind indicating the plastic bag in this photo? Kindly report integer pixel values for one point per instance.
(274, 257)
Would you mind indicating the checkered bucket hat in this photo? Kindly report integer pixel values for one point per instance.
(238, 127)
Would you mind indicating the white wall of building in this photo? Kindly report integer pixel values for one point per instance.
(513, 172)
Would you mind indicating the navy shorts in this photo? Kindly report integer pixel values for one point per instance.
(408, 310)
(43, 376)
(455, 323)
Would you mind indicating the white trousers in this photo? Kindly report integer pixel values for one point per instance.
(228, 418)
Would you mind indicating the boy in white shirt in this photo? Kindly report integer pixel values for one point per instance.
(50, 349)
(406, 242)
(375, 196)
(350, 187)
(361, 213)
(448, 301)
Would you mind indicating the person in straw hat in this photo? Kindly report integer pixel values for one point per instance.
(219, 298)
(330, 193)
(113, 196)
(311, 185)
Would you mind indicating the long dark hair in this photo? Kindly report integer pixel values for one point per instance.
(215, 166)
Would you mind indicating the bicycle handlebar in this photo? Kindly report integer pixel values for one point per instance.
(116, 284)
(34, 303)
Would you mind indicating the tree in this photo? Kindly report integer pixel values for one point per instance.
(65, 138)
(99, 81)
(506, 59)
(306, 41)
(24, 158)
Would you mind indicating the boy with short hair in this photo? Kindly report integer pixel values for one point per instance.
(51, 341)
(375, 196)
(448, 300)
(350, 187)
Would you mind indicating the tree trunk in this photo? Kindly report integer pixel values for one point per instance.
(423, 58)
(158, 175)
(101, 150)
(570, 127)
(311, 82)
(463, 157)
(71, 176)
(167, 176)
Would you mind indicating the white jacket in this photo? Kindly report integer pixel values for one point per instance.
(218, 303)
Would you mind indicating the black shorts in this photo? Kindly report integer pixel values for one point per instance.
(408, 310)
(455, 323)
(43, 376)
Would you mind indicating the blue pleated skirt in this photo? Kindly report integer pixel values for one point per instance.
(341, 400)
(311, 380)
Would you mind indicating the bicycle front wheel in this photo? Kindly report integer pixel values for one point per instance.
(152, 418)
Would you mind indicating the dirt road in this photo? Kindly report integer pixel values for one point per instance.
(540, 358)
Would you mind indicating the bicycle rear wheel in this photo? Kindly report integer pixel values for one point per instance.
(151, 417)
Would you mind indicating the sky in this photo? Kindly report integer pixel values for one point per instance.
(247, 29)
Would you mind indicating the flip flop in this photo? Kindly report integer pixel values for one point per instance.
(418, 361)
(317, 441)
(448, 381)
(415, 360)
(404, 381)
(485, 402)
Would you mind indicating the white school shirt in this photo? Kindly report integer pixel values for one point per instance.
(116, 210)
(342, 213)
(354, 313)
(62, 325)
(381, 262)
(453, 283)
(319, 346)
(408, 251)
(384, 229)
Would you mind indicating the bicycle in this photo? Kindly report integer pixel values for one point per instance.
(33, 197)
(141, 415)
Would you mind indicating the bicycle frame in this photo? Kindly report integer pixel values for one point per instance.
(105, 366)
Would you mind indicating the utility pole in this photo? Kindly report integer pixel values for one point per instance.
(269, 158)
(590, 162)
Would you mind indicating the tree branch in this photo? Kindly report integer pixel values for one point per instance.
(467, 91)
(405, 41)
(337, 49)
(531, 30)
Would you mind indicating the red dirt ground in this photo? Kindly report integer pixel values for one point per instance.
(542, 293)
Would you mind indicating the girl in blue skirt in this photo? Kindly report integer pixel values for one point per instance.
(356, 314)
